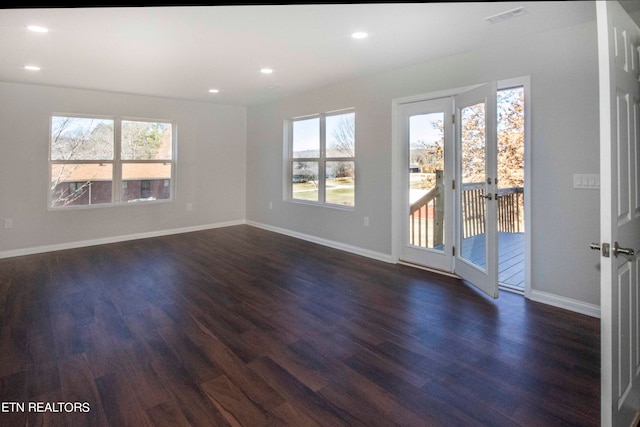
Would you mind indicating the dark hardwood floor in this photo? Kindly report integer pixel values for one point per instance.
(241, 326)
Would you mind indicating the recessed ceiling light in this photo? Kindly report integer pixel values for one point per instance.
(266, 71)
(32, 68)
(37, 29)
(359, 35)
(214, 90)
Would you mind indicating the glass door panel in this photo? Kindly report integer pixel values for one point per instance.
(473, 172)
(426, 181)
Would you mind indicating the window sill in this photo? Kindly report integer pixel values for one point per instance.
(322, 205)
(108, 205)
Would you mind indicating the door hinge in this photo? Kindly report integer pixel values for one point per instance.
(453, 119)
(453, 251)
(453, 184)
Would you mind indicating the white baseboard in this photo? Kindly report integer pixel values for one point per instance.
(566, 303)
(325, 242)
(114, 239)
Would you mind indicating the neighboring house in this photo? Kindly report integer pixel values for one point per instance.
(90, 184)
(303, 175)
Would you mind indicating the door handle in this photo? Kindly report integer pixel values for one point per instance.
(488, 196)
(618, 250)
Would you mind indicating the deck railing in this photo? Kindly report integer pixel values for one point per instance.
(473, 209)
(426, 220)
(426, 215)
(510, 209)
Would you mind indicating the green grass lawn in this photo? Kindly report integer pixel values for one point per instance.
(339, 191)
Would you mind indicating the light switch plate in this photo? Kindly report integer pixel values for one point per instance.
(588, 181)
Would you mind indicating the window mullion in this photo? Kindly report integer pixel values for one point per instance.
(117, 161)
(322, 160)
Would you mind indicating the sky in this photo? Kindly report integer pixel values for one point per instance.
(421, 128)
(306, 133)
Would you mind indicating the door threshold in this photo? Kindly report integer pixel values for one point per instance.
(512, 289)
(501, 286)
(431, 269)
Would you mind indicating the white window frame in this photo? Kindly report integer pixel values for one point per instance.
(321, 160)
(117, 163)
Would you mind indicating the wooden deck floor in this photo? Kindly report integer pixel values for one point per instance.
(510, 256)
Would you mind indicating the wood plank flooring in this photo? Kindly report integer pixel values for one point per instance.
(239, 326)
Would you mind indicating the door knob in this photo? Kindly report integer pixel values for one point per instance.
(618, 250)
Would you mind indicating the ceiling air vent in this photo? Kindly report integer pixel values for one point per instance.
(500, 17)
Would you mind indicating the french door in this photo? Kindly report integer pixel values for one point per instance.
(476, 189)
(449, 167)
(427, 198)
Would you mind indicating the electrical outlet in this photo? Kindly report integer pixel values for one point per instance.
(189, 206)
(270, 205)
(8, 223)
(365, 221)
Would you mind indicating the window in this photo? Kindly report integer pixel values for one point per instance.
(146, 153)
(322, 159)
(145, 188)
(102, 161)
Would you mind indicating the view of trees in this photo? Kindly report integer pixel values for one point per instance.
(428, 156)
(142, 141)
(472, 143)
(75, 138)
(511, 138)
(343, 131)
(342, 144)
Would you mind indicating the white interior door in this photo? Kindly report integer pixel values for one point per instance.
(618, 41)
(425, 131)
(476, 254)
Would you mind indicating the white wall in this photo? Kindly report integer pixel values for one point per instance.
(211, 172)
(564, 98)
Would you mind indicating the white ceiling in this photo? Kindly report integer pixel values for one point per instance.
(182, 52)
